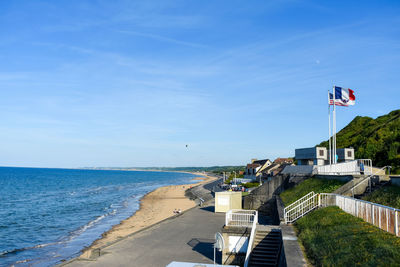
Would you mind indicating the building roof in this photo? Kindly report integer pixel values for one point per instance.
(275, 167)
(261, 161)
(252, 165)
(283, 160)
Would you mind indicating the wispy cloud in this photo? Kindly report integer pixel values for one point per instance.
(163, 39)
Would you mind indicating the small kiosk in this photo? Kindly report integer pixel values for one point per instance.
(225, 201)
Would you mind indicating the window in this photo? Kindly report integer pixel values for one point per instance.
(321, 153)
(349, 154)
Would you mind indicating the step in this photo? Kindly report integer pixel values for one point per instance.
(266, 248)
(268, 241)
(268, 231)
(272, 242)
(270, 254)
(268, 237)
(262, 261)
(267, 244)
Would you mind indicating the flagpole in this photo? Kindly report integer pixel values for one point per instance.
(329, 135)
(334, 125)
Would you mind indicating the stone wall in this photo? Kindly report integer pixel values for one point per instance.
(263, 197)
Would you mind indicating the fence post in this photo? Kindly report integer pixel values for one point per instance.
(319, 200)
(379, 217)
(373, 214)
(387, 220)
(355, 208)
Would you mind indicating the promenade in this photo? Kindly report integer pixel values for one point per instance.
(188, 237)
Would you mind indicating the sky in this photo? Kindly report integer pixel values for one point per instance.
(131, 83)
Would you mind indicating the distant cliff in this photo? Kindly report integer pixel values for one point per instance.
(377, 139)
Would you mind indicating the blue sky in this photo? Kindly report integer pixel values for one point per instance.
(129, 83)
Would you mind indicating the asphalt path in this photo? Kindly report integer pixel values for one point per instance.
(188, 237)
(214, 186)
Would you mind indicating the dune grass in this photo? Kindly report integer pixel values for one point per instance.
(332, 237)
(387, 195)
(312, 184)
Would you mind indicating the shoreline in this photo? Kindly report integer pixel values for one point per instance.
(155, 207)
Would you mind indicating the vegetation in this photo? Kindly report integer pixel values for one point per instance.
(377, 139)
(231, 176)
(332, 237)
(312, 184)
(251, 184)
(387, 195)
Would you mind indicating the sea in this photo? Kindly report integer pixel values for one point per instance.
(48, 216)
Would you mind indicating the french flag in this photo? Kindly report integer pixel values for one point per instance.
(343, 97)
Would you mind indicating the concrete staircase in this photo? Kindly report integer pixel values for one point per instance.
(266, 248)
(361, 185)
(375, 184)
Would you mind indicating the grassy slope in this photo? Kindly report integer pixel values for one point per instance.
(377, 139)
(305, 187)
(387, 195)
(332, 237)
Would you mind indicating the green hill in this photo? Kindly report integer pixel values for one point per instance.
(377, 139)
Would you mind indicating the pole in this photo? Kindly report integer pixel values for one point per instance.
(334, 125)
(329, 122)
(214, 252)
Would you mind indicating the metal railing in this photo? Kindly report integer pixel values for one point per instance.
(241, 218)
(299, 200)
(308, 203)
(359, 166)
(365, 166)
(251, 240)
(384, 217)
(368, 179)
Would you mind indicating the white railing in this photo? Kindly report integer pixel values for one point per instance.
(384, 217)
(251, 240)
(359, 166)
(241, 218)
(299, 200)
(365, 166)
(308, 203)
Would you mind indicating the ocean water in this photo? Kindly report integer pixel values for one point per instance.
(50, 215)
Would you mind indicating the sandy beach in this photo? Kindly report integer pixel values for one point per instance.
(154, 207)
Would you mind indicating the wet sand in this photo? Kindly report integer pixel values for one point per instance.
(154, 207)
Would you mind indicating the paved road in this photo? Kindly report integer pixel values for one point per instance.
(188, 237)
(214, 186)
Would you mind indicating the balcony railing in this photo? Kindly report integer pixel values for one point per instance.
(241, 218)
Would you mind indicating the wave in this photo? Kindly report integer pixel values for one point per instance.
(17, 250)
(90, 224)
(69, 238)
